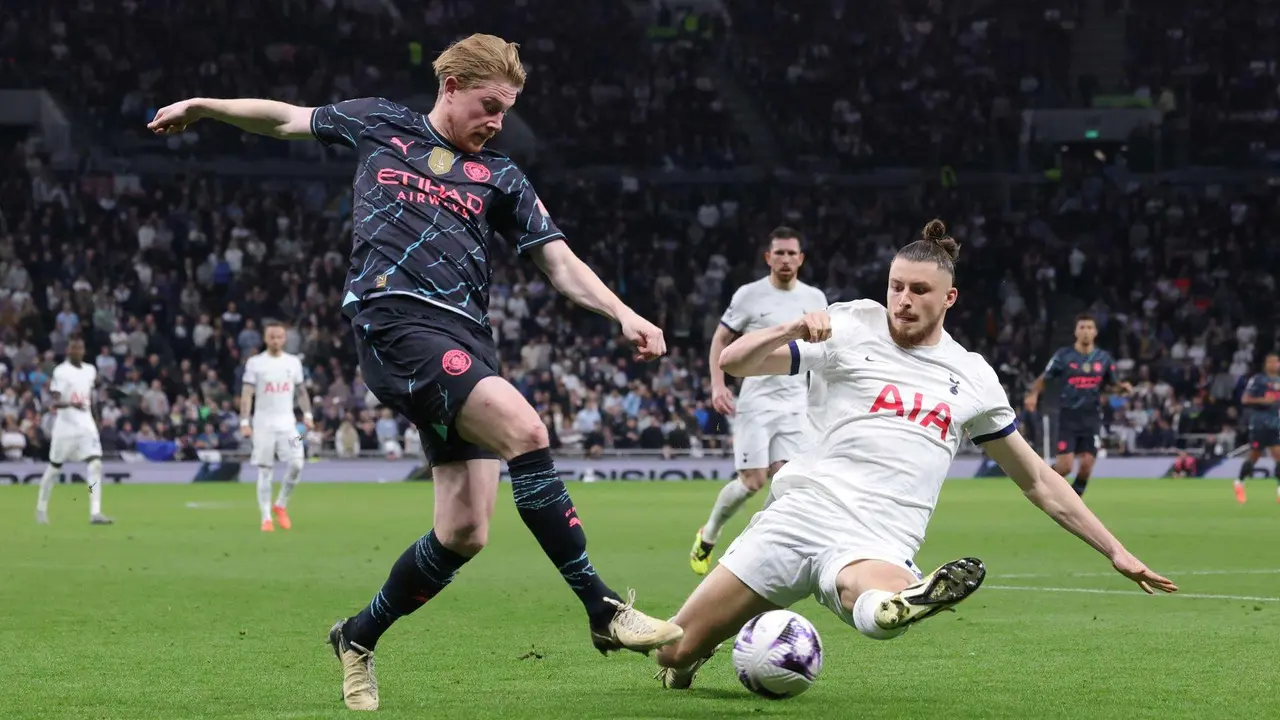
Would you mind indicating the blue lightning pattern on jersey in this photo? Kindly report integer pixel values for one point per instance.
(425, 213)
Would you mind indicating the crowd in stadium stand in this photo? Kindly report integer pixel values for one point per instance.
(127, 60)
(170, 280)
(1214, 60)
(852, 79)
(170, 284)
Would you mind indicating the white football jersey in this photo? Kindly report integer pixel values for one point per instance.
(275, 379)
(759, 305)
(74, 385)
(888, 420)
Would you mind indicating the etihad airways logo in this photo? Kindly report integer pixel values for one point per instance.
(419, 189)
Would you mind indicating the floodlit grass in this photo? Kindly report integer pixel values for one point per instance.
(184, 609)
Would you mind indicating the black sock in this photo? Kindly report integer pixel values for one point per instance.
(1080, 484)
(547, 511)
(1246, 470)
(421, 572)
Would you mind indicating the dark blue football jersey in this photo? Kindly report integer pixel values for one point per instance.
(1268, 415)
(1085, 375)
(424, 212)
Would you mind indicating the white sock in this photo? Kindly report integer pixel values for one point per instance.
(290, 481)
(95, 487)
(46, 487)
(265, 476)
(864, 615)
(731, 498)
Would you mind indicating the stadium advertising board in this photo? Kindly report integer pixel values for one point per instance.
(599, 470)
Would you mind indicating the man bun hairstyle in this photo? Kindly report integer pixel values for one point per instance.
(934, 246)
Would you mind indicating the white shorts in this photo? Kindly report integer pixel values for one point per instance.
(272, 444)
(797, 546)
(763, 438)
(74, 447)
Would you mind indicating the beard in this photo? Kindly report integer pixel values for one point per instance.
(913, 337)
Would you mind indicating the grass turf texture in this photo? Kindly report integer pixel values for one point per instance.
(191, 612)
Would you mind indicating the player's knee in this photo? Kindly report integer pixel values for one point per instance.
(95, 465)
(467, 538)
(526, 434)
(295, 466)
(775, 467)
(753, 480)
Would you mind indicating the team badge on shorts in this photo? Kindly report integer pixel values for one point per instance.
(476, 172)
(455, 362)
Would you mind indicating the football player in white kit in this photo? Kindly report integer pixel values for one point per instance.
(75, 432)
(768, 418)
(848, 517)
(275, 378)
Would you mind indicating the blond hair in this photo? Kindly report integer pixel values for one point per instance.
(480, 58)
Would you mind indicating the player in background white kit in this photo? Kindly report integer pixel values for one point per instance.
(75, 432)
(275, 378)
(848, 517)
(769, 416)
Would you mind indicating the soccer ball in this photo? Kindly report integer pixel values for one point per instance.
(778, 654)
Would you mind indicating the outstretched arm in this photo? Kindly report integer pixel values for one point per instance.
(1048, 491)
(578, 282)
(260, 117)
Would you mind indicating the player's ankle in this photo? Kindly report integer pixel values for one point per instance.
(601, 612)
(864, 615)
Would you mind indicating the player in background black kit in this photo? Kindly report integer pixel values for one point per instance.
(1261, 401)
(428, 202)
(1088, 372)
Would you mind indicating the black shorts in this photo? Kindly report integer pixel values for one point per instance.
(1078, 431)
(1263, 436)
(423, 362)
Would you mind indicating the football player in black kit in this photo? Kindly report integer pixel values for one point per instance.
(429, 201)
(1088, 372)
(1261, 405)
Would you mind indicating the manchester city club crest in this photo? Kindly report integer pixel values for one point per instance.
(440, 161)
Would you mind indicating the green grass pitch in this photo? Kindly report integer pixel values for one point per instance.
(182, 611)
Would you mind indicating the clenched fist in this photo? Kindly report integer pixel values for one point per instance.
(814, 327)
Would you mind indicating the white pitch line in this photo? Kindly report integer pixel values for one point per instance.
(1023, 576)
(1096, 591)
